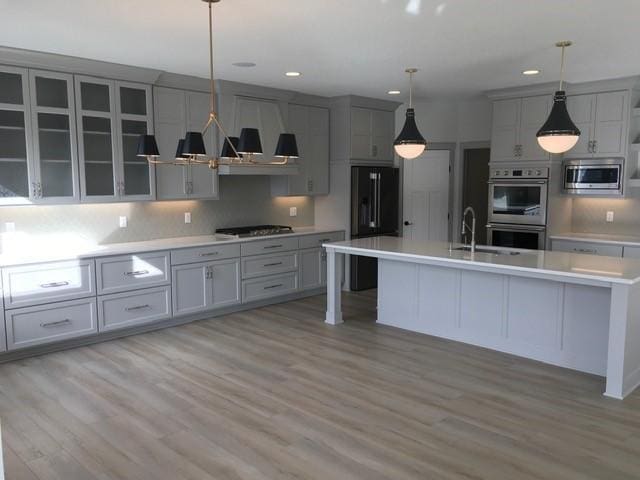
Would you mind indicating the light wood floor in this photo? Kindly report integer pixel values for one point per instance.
(275, 393)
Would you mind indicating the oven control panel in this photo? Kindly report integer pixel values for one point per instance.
(515, 173)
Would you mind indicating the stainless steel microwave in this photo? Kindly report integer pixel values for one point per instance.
(594, 176)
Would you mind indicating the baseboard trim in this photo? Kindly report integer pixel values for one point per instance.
(172, 322)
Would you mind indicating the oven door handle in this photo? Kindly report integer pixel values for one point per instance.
(516, 182)
(495, 226)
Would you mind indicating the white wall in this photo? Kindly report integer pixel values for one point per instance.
(452, 121)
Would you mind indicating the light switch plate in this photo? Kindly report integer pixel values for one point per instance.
(124, 222)
(610, 216)
(187, 217)
(293, 211)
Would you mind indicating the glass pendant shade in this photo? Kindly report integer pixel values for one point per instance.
(249, 142)
(147, 146)
(410, 143)
(227, 151)
(287, 146)
(558, 134)
(193, 144)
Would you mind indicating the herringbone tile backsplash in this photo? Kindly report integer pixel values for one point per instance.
(243, 201)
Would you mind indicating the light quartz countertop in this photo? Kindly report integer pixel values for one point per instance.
(560, 266)
(627, 240)
(21, 249)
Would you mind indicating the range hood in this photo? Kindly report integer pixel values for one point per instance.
(257, 169)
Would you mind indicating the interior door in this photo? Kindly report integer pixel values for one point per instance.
(426, 197)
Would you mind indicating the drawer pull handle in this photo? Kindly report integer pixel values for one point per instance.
(137, 307)
(273, 246)
(136, 273)
(272, 264)
(209, 254)
(59, 323)
(585, 250)
(54, 284)
(324, 240)
(273, 286)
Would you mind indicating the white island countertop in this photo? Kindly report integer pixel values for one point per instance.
(604, 238)
(561, 266)
(21, 249)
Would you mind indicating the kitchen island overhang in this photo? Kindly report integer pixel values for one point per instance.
(576, 311)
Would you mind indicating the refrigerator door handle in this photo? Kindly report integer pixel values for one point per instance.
(373, 200)
(378, 195)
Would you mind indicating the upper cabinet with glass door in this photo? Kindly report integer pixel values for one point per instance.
(111, 117)
(16, 173)
(55, 164)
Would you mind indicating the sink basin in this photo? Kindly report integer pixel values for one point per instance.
(491, 250)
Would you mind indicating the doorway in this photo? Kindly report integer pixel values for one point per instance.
(475, 189)
(426, 187)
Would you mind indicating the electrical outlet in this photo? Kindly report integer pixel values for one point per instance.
(293, 211)
(610, 216)
(187, 217)
(9, 227)
(124, 222)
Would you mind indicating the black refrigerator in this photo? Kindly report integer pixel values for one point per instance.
(374, 211)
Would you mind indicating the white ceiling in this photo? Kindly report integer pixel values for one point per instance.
(462, 47)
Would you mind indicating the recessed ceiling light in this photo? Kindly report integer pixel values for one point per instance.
(244, 64)
(394, 92)
(293, 74)
(533, 71)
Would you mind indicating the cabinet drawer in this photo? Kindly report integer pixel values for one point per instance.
(269, 246)
(586, 247)
(123, 310)
(121, 274)
(266, 287)
(48, 282)
(204, 254)
(631, 252)
(49, 323)
(262, 265)
(316, 240)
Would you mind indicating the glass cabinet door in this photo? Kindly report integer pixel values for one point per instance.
(16, 174)
(97, 143)
(135, 119)
(54, 140)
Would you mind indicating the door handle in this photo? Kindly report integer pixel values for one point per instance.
(407, 223)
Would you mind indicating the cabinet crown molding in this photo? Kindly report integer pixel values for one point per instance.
(625, 83)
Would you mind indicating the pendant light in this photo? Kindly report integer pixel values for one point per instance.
(559, 134)
(410, 143)
(191, 149)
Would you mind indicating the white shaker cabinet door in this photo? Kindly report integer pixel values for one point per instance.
(504, 131)
(534, 112)
(611, 125)
(582, 111)
(312, 268)
(225, 283)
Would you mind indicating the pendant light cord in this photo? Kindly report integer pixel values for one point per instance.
(562, 67)
(410, 89)
(213, 93)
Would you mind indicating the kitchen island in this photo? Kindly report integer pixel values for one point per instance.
(572, 310)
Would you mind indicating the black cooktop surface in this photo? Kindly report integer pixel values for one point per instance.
(255, 230)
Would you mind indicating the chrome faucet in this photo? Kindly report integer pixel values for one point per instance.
(465, 227)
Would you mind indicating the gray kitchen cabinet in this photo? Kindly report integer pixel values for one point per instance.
(53, 322)
(55, 165)
(604, 249)
(311, 128)
(265, 115)
(3, 336)
(111, 116)
(128, 309)
(176, 112)
(603, 119)
(631, 252)
(515, 124)
(130, 272)
(16, 168)
(313, 268)
(205, 286)
(372, 134)
(268, 287)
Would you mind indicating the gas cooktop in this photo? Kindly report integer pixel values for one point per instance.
(256, 230)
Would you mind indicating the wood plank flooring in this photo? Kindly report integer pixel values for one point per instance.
(274, 393)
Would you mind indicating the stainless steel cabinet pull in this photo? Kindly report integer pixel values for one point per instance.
(273, 286)
(272, 264)
(273, 246)
(54, 284)
(59, 323)
(138, 272)
(209, 254)
(585, 250)
(137, 307)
